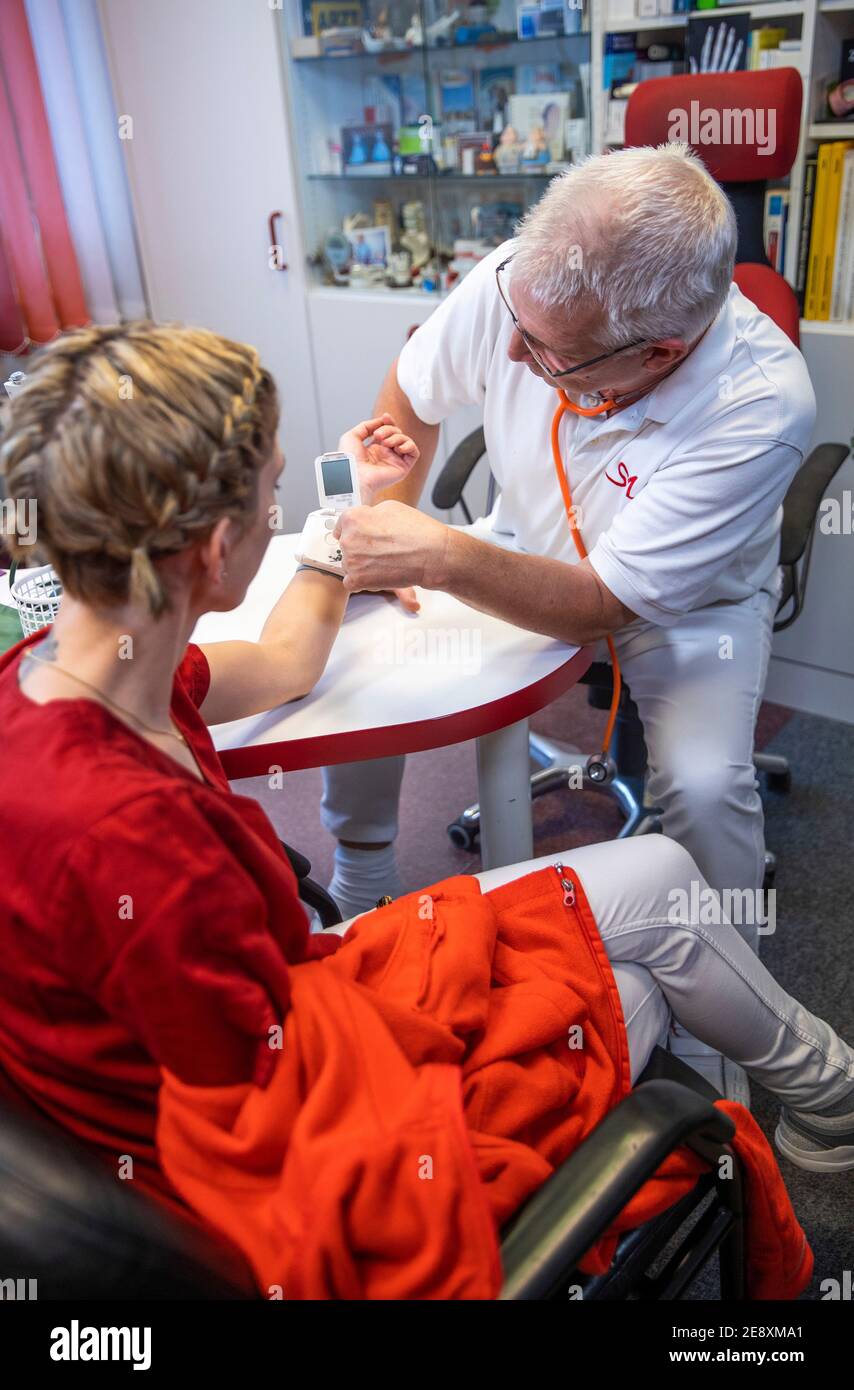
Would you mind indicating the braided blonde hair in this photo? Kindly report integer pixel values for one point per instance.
(133, 442)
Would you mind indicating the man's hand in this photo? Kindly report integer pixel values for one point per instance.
(392, 546)
(384, 454)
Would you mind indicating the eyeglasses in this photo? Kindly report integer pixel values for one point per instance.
(533, 351)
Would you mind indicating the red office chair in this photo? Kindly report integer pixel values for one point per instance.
(742, 170)
(744, 173)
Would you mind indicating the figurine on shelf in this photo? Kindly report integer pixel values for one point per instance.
(441, 30)
(536, 153)
(384, 217)
(337, 253)
(429, 277)
(508, 152)
(378, 35)
(356, 222)
(415, 33)
(414, 238)
(399, 270)
(484, 162)
(358, 153)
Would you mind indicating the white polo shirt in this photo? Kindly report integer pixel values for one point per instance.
(678, 496)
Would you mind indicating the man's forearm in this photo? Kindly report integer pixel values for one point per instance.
(395, 401)
(568, 602)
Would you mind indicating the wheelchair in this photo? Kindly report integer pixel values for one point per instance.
(69, 1223)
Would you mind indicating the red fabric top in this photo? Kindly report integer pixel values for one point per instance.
(146, 918)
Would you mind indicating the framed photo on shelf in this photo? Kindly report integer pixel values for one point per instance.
(371, 246)
(548, 111)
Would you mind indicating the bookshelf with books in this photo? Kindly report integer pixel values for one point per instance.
(809, 35)
(810, 668)
(825, 263)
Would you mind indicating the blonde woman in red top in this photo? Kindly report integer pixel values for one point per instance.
(148, 914)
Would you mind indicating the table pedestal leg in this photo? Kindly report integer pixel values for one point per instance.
(504, 784)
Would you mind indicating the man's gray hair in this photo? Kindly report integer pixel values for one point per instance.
(644, 237)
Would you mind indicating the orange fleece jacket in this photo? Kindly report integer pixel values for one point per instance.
(429, 1076)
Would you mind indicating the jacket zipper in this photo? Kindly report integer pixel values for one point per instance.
(567, 885)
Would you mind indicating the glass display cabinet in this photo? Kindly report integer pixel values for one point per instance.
(424, 129)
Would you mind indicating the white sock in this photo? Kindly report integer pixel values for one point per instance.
(362, 876)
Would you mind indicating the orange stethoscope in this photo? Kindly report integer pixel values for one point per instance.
(598, 768)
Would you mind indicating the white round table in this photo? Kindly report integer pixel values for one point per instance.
(398, 682)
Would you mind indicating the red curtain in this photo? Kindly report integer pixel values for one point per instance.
(13, 335)
(39, 253)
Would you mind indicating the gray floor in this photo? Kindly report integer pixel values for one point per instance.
(812, 951)
(810, 830)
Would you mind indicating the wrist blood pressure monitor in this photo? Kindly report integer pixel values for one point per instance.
(337, 489)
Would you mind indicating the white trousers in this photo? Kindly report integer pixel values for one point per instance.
(706, 977)
(698, 686)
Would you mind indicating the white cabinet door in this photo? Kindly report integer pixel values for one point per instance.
(356, 337)
(208, 163)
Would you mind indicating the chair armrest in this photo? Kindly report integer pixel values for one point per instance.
(581, 1199)
(459, 466)
(801, 503)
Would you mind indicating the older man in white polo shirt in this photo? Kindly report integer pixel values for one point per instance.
(618, 289)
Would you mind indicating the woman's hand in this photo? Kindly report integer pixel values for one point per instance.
(383, 453)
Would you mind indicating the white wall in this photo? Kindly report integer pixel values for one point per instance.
(208, 162)
(812, 664)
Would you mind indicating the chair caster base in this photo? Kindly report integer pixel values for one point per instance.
(463, 835)
(780, 781)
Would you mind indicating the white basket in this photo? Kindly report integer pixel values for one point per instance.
(37, 598)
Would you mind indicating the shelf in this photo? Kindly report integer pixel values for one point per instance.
(841, 330)
(774, 8)
(447, 50)
(836, 7)
(832, 130)
(375, 293)
(644, 26)
(434, 178)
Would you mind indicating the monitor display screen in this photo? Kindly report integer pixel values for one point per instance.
(336, 476)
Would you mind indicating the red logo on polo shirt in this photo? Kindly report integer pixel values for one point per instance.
(624, 480)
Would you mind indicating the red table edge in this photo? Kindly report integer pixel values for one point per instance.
(360, 745)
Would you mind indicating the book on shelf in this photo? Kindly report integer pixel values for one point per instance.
(842, 291)
(776, 221)
(760, 41)
(810, 170)
(828, 220)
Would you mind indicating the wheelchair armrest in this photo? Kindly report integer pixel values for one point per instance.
(459, 466)
(69, 1224)
(310, 892)
(300, 865)
(581, 1199)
